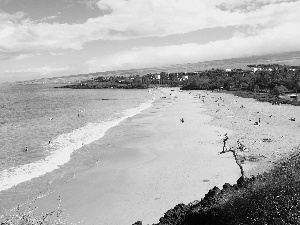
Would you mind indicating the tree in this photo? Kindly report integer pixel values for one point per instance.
(279, 90)
(240, 148)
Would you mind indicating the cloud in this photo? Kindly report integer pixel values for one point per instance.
(268, 41)
(38, 70)
(248, 5)
(5, 1)
(24, 56)
(92, 4)
(5, 17)
(57, 53)
(48, 18)
(129, 19)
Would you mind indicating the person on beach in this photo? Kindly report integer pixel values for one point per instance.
(181, 120)
(257, 123)
(225, 139)
(25, 149)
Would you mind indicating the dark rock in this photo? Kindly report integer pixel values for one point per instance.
(241, 182)
(226, 186)
(212, 193)
(235, 187)
(194, 203)
(138, 223)
(175, 216)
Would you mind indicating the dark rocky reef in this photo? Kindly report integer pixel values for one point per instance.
(90, 85)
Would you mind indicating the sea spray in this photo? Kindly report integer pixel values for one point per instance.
(63, 146)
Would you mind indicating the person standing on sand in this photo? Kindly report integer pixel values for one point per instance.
(225, 139)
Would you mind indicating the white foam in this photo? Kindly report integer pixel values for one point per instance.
(62, 148)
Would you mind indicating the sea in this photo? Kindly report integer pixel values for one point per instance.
(48, 134)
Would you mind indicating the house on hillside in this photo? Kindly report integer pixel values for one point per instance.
(262, 67)
(185, 77)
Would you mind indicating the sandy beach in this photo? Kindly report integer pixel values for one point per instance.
(157, 162)
(276, 135)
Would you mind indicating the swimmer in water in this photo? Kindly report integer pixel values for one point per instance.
(26, 149)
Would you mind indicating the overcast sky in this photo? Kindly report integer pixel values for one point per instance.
(46, 38)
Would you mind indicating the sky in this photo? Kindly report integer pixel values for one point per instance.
(50, 38)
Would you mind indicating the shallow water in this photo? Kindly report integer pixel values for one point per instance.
(55, 124)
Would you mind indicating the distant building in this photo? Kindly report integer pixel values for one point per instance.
(256, 69)
(185, 77)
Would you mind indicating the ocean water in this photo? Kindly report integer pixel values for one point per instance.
(55, 124)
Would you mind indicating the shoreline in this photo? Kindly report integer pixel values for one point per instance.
(156, 164)
(67, 138)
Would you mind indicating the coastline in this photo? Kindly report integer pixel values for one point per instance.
(29, 172)
(155, 163)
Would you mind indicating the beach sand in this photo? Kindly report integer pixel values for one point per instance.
(275, 137)
(158, 162)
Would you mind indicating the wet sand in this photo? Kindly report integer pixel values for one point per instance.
(157, 163)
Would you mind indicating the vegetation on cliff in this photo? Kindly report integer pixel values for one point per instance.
(270, 198)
